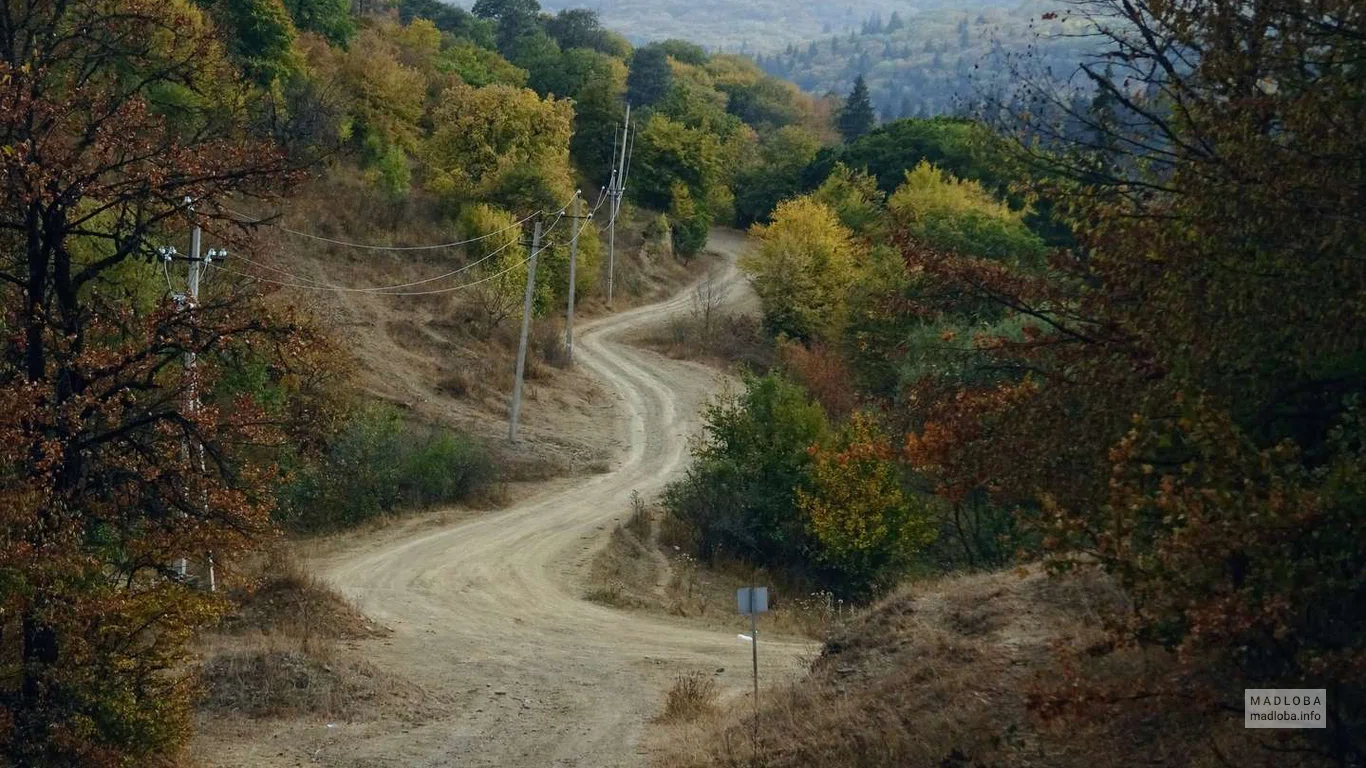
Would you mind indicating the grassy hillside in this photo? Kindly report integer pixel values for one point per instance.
(955, 673)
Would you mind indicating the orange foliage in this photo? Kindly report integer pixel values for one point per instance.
(824, 374)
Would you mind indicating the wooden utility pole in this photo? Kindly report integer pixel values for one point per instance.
(526, 330)
(615, 190)
(573, 275)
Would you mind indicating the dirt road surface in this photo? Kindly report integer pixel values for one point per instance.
(488, 613)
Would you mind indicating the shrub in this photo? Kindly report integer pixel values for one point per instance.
(379, 464)
(693, 694)
(866, 527)
(639, 522)
(738, 495)
(824, 373)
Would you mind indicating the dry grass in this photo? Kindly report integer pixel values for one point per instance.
(639, 524)
(613, 595)
(727, 341)
(280, 655)
(940, 676)
(693, 695)
(625, 572)
(289, 601)
(902, 686)
(271, 676)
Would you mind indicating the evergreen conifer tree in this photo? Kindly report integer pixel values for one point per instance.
(857, 116)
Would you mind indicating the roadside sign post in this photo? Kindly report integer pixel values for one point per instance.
(753, 601)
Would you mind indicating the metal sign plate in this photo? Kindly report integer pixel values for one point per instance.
(752, 600)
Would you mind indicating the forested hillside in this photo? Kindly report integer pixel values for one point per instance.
(920, 61)
(1116, 336)
(736, 26)
(943, 61)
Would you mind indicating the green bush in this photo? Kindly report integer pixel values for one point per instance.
(378, 464)
(739, 495)
(773, 484)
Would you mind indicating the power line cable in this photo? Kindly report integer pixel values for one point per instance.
(385, 292)
(603, 196)
(384, 288)
(246, 219)
(412, 293)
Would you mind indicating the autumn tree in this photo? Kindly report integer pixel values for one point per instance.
(855, 198)
(381, 98)
(943, 213)
(804, 264)
(478, 66)
(500, 144)
(669, 152)
(553, 266)
(866, 526)
(499, 281)
(114, 115)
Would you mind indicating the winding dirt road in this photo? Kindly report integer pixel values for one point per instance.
(489, 612)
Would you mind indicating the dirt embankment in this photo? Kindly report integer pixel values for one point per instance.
(433, 354)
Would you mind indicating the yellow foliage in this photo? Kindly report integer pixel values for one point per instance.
(385, 96)
(419, 44)
(928, 189)
(499, 281)
(866, 524)
(803, 268)
(500, 143)
(729, 69)
(955, 215)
